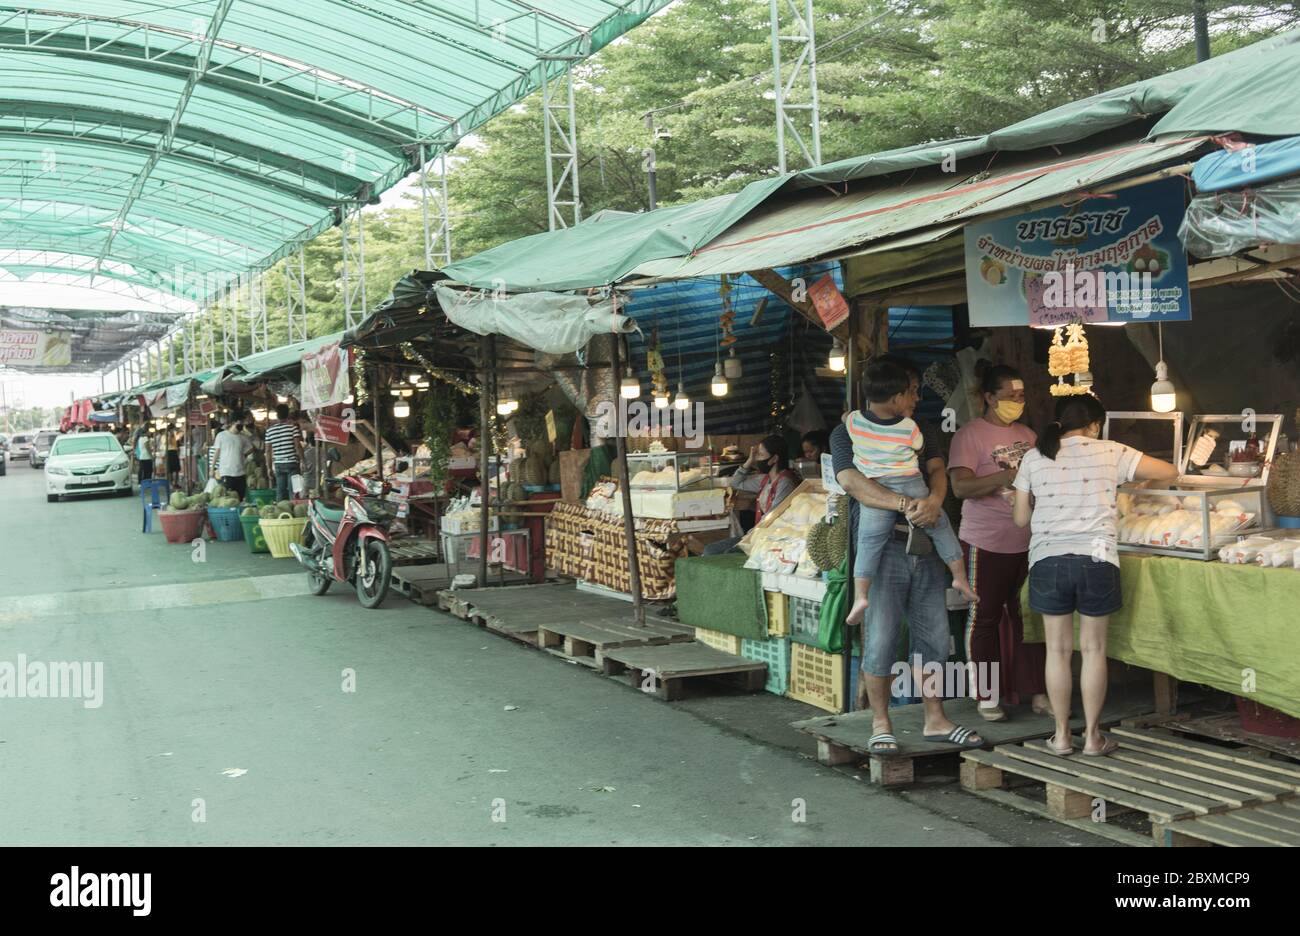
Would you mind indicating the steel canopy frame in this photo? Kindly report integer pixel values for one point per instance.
(147, 107)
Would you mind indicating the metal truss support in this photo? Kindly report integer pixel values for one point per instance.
(257, 337)
(171, 355)
(437, 217)
(207, 342)
(295, 295)
(353, 230)
(187, 345)
(561, 137)
(796, 109)
(228, 310)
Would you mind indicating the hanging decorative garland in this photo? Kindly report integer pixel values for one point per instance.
(780, 407)
(360, 376)
(437, 373)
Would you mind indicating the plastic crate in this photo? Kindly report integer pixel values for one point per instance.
(816, 677)
(778, 614)
(225, 523)
(253, 534)
(775, 652)
(804, 620)
(260, 497)
(727, 643)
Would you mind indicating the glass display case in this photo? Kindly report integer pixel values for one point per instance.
(1159, 435)
(1188, 518)
(1231, 450)
(669, 471)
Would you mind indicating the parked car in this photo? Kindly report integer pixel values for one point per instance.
(86, 463)
(41, 447)
(20, 446)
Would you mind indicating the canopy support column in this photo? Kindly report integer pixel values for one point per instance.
(257, 336)
(354, 265)
(487, 352)
(805, 63)
(295, 295)
(437, 226)
(629, 524)
(560, 134)
(229, 313)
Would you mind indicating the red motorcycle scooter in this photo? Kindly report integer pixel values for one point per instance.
(349, 545)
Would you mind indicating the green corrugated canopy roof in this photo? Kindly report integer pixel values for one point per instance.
(784, 219)
(214, 136)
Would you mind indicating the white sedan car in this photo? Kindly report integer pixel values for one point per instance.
(85, 463)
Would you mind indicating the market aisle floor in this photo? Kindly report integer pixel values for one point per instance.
(220, 700)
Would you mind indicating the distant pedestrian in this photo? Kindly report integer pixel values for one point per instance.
(284, 451)
(144, 454)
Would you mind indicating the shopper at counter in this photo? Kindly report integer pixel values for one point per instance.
(1066, 493)
(766, 474)
(982, 463)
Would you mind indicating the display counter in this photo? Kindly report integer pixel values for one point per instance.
(1208, 622)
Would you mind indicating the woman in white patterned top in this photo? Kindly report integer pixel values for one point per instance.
(1066, 489)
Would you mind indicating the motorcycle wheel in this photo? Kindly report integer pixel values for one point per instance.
(372, 588)
(317, 583)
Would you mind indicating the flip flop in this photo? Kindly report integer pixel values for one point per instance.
(1059, 752)
(996, 713)
(1110, 747)
(876, 745)
(962, 737)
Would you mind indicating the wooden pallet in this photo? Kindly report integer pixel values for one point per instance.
(413, 552)
(1228, 728)
(670, 671)
(421, 583)
(595, 638)
(1269, 824)
(842, 739)
(1159, 775)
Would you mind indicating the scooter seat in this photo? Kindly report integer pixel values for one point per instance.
(329, 514)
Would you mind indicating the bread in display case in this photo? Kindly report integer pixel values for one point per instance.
(1187, 518)
(669, 471)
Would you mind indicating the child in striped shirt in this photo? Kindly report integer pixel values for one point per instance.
(886, 443)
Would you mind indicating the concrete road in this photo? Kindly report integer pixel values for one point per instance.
(236, 709)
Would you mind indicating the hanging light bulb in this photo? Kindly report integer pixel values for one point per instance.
(661, 399)
(395, 392)
(401, 409)
(836, 360)
(506, 406)
(415, 378)
(719, 385)
(407, 392)
(281, 398)
(1163, 395)
(630, 387)
(731, 366)
(682, 401)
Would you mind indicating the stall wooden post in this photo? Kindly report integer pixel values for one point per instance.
(379, 431)
(487, 349)
(851, 358)
(629, 524)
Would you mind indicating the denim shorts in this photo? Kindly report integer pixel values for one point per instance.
(1065, 584)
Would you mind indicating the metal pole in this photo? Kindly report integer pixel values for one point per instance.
(379, 432)
(649, 155)
(1202, 27)
(778, 89)
(850, 400)
(629, 524)
(487, 349)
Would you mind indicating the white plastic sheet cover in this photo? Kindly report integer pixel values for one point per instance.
(556, 323)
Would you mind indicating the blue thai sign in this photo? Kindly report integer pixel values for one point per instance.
(1110, 258)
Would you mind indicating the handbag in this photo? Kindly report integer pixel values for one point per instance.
(918, 541)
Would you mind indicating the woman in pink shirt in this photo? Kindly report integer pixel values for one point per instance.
(982, 465)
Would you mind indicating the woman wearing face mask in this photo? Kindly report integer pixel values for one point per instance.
(767, 475)
(982, 466)
(1067, 487)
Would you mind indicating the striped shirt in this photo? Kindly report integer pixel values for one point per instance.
(884, 448)
(1074, 497)
(280, 438)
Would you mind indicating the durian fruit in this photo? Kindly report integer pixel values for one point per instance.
(828, 543)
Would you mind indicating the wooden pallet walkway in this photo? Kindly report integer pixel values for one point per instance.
(671, 671)
(842, 739)
(413, 552)
(1269, 824)
(595, 638)
(421, 583)
(1162, 776)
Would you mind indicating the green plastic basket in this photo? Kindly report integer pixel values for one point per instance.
(260, 497)
(253, 534)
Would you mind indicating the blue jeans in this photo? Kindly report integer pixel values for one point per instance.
(876, 526)
(283, 486)
(910, 588)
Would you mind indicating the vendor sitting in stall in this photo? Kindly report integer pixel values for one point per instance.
(767, 474)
